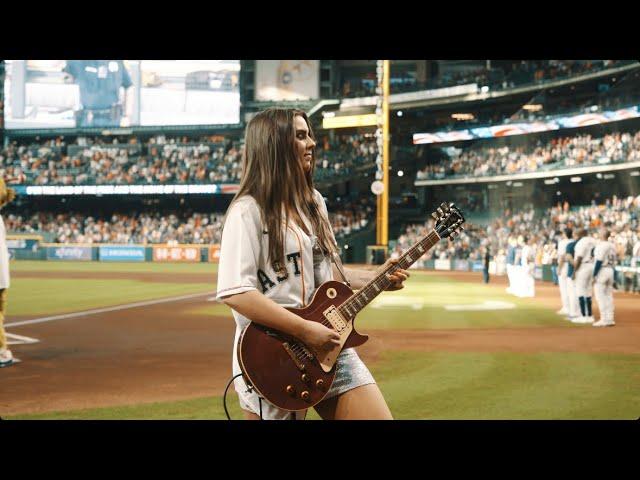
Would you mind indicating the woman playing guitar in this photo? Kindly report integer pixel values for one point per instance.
(277, 245)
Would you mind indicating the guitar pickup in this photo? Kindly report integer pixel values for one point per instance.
(293, 356)
(335, 318)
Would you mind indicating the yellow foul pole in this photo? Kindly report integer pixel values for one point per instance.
(382, 226)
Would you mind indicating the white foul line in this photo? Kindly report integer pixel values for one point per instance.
(20, 339)
(104, 310)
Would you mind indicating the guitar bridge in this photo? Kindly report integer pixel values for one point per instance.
(293, 356)
(334, 317)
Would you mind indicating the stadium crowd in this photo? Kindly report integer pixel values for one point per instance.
(621, 215)
(91, 161)
(558, 153)
(147, 228)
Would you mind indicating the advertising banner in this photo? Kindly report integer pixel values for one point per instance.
(121, 253)
(522, 128)
(214, 253)
(69, 253)
(166, 253)
(30, 244)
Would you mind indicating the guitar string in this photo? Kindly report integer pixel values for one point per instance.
(382, 276)
(379, 281)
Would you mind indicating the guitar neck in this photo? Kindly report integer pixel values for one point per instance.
(356, 302)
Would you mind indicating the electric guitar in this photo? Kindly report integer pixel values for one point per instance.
(291, 375)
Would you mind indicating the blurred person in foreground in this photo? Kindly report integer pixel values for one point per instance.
(6, 196)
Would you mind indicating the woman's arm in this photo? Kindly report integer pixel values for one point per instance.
(260, 309)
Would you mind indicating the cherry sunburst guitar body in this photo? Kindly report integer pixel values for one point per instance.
(279, 366)
(292, 376)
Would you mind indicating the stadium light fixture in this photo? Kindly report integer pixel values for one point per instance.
(399, 113)
(517, 184)
(558, 193)
(594, 108)
(400, 173)
(576, 179)
(598, 175)
(532, 107)
(462, 116)
(635, 173)
(328, 114)
(550, 181)
(484, 89)
(609, 176)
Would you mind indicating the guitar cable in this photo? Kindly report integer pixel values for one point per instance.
(224, 397)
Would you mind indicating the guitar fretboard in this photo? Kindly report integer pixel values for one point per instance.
(356, 302)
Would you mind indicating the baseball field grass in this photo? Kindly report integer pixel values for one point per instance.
(34, 295)
(417, 382)
(443, 385)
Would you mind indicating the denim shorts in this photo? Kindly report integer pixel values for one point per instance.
(351, 372)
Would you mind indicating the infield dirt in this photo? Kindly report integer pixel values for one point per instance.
(168, 351)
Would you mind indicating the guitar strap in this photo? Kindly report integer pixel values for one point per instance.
(319, 257)
(338, 263)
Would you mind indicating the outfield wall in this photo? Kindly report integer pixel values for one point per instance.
(32, 247)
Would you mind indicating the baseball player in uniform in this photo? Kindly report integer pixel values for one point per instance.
(526, 278)
(562, 271)
(6, 196)
(605, 258)
(572, 297)
(511, 260)
(584, 275)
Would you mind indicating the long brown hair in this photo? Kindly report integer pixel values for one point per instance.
(275, 178)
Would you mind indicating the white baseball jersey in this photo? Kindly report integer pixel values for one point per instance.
(527, 255)
(606, 253)
(4, 256)
(244, 264)
(584, 249)
(562, 251)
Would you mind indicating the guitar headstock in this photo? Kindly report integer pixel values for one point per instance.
(449, 220)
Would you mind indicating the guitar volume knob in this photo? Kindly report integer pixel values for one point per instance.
(306, 378)
(320, 384)
(290, 390)
(305, 396)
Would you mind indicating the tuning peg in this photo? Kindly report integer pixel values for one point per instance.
(453, 234)
(440, 212)
(444, 206)
(434, 215)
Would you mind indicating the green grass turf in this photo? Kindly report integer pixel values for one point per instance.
(34, 296)
(134, 267)
(431, 294)
(49, 296)
(442, 385)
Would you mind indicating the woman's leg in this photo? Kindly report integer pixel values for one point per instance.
(250, 415)
(361, 403)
